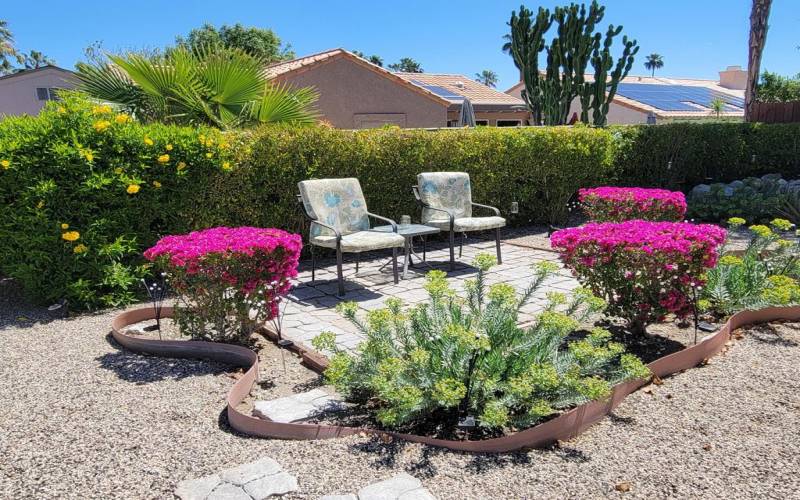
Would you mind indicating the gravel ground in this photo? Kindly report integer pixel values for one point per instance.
(81, 418)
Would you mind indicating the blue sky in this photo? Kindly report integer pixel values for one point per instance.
(697, 38)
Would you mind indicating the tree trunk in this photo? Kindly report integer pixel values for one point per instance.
(758, 37)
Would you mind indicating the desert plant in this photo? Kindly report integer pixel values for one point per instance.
(653, 62)
(765, 274)
(213, 85)
(644, 270)
(228, 280)
(452, 358)
(616, 204)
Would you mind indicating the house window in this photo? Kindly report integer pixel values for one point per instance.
(47, 94)
(509, 123)
(481, 123)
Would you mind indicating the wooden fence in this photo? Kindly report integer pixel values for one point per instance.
(776, 112)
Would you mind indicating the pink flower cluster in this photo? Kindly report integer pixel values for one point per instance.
(643, 269)
(615, 204)
(235, 269)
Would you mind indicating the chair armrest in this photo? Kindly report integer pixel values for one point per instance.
(335, 231)
(385, 219)
(494, 209)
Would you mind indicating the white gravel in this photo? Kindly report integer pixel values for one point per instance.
(81, 418)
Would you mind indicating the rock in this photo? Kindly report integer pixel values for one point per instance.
(274, 485)
(402, 485)
(228, 491)
(771, 177)
(623, 486)
(736, 184)
(197, 489)
(246, 473)
(700, 190)
(297, 406)
(348, 496)
(727, 191)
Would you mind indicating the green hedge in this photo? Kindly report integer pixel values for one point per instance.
(73, 165)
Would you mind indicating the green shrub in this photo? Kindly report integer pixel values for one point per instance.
(85, 190)
(755, 199)
(454, 357)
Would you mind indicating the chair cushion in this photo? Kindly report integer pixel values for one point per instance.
(467, 224)
(361, 241)
(449, 191)
(336, 202)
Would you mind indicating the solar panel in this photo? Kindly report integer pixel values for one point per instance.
(676, 97)
(440, 91)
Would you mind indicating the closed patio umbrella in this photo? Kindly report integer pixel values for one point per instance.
(466, 118)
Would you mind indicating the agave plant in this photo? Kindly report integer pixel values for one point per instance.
(466, 359)
(218, 86)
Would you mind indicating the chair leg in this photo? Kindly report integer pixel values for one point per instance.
(394, 265)
(313, 265)
(358, 259)
(497, 244)
(424, 248)
(339, 270)
(461, 244)
(452, 250)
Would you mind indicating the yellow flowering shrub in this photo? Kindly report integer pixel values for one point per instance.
(133, 188)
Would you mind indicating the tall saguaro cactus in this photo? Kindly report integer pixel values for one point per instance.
(550, 95)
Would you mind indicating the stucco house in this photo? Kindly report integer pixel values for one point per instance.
(356, 94)
(646, 99)
(26, 92)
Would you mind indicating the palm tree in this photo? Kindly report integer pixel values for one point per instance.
(718, 106)
(759, 15)
(406, 65)
(374, 59)
(7, 50)
(487, 77)
(214, 85)
(35, 60)
(653, 62)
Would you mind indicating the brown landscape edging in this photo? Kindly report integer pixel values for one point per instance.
(566, 426)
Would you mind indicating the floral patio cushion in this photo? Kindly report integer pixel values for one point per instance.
(336, 202)
(362, 241)
(445, 190)
(467, 224)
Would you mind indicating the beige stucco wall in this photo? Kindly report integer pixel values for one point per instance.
(18, 92)
(352, 96)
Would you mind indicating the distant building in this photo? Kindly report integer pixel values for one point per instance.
(26, 92)
(356, 94)
(645, 99)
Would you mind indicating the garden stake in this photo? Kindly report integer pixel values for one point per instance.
(157, 291)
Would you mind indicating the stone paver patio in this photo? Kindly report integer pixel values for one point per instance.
(311, 308)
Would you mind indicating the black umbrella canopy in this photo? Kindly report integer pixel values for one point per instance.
(467, 116)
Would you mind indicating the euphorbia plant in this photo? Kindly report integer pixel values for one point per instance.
(644, 270)
(616, 204)
(228, 280)
(454, 357)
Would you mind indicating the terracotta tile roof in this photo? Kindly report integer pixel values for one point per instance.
(689, 82)
(477, 93)
(302, 63)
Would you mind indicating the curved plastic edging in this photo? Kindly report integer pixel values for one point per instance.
(566, 426)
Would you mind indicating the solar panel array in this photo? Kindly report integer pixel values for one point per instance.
(440, 91)
(676, 97)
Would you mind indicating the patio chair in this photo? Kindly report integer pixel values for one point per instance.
(446, 200)
(339, 220)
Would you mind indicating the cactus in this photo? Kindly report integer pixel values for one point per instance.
(549, 96)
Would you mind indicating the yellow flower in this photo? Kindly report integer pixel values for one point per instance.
(71, 235)
(730, 260)
(209, 155)
(156, 184)
(181, 166)
(80, 248)
(736, 221)
(163, 159)
(101, 110)
(88, 155)
(133, 188)
(226, 165)
(169, 147)
(224, 145)
(761, 230)
(118, 170)
(65, 226)
(101, 125)
(61, 110)
(5, 164)
(40, 204)
(122, 118)
(148, 141)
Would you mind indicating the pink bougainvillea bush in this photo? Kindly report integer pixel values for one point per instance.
(228, 280)
(616, 204)
(643, 269)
